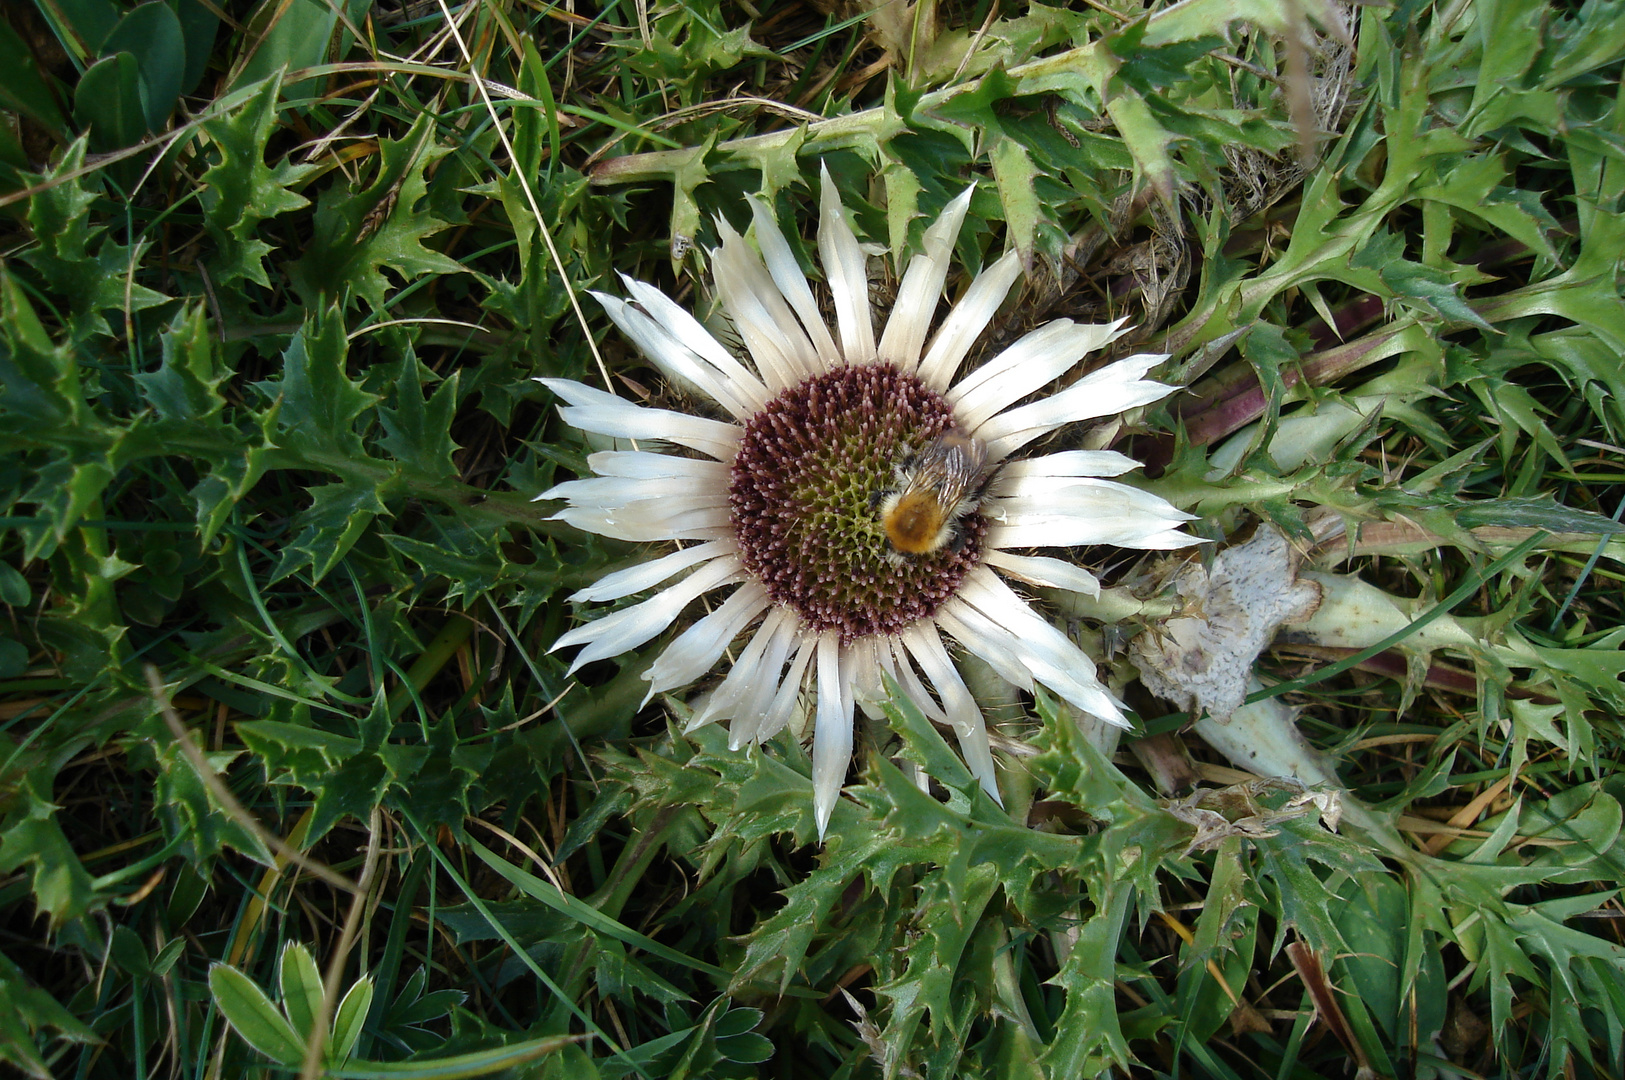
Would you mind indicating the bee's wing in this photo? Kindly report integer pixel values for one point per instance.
(957, 466)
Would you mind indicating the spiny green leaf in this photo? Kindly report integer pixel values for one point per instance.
(187, 387)
(1088, 1036)
(306, 754)
(319, 403)
(326, 530)
(359, 232)
(1537, 513)
(1014, 172)
(33, 840)
(902, 207)
(418, 432)
(25, 1010)
(76, 258)
(350, 790)
(234, 474)
(1433, 290)
(240, 191)
(189, 808)
(469, 558)
(88, 601)
(39, 379)
(924, 746)
(1306, 899)
(1475, 186)
(946, 917)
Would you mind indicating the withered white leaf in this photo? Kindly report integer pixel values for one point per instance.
(1201, 659)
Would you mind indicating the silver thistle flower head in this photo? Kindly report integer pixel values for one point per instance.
(864, 505)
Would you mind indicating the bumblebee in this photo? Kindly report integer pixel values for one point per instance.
(934, 489)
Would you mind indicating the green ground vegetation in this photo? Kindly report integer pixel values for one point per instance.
(289, 783)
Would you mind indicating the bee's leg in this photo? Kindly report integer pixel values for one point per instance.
(878, 497)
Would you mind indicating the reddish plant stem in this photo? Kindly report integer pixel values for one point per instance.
(1231, 401)
(1234, 398)
(1393, 664)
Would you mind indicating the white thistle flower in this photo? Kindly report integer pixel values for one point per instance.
(784, 504)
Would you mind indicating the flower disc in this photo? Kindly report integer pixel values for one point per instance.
(802, 492)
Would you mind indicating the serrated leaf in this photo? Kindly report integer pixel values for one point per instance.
(240, 191)
(35, 842)
(924, 746)
(780, 943)
(76, 258)
(963, 115)
(618, 973)
(1598, 668)
(1145, 138)
(62, 492)
(418, 432)
(1305, 899)
(1427, 287)
(328, 528)
(183, 796)
(902, 207)
(359, 232)
(950, 905)
(251, 1015)
(351, 790)
(1015, 173)
(306, 754)
(319, 402)
(468, 558)
(1088, 1035)
(1536, 513)
(39, 379)
(186, 388)
(26, 1010)
(233, 476)
(1474, 186)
